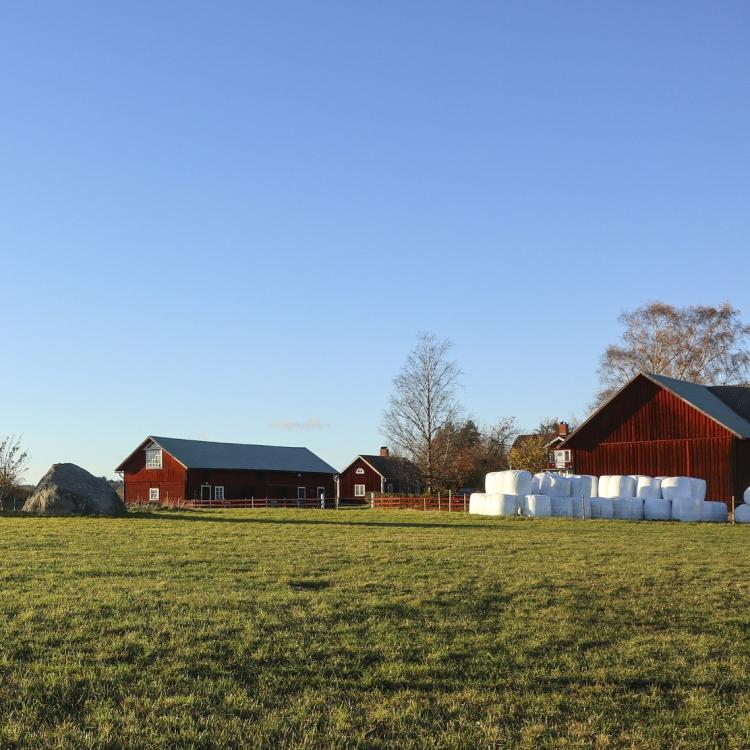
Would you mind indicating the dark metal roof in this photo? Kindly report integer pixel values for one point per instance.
(729, 405)
(202, 454)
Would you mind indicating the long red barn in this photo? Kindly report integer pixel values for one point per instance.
(164, 470)
(660, 426)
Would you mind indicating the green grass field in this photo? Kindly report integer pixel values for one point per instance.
(363, 628)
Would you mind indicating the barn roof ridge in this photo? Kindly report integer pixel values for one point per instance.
(703, 398)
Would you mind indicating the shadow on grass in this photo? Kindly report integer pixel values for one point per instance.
(211, 518)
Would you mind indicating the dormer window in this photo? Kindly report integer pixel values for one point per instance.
(360, 471)
(153, 457)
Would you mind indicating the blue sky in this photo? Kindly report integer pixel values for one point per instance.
(230, 220)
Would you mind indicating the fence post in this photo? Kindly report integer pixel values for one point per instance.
(733, 521)
(439, 508)
(424, 503)
(464, 502)
(372, 501)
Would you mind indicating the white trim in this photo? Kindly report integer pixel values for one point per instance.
(360, 470)
(218, 487)
(304, 493)
(320, 491)
(153, 494)
(361, 458)
(209, 492)
(359, 494)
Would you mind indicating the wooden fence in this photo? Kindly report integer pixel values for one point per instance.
(449, 503)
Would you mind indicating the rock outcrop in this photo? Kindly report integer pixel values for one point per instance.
(67, 489)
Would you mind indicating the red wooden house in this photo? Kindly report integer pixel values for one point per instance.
(557, 459)
(380, 474)
(164, 470)
(659, 426)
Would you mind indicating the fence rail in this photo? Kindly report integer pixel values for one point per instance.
(448, 503)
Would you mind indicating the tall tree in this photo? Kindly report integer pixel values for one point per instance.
(12, 466)
(422, 404)
(706, 345)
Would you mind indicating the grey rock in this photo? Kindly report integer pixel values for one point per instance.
(67, 489)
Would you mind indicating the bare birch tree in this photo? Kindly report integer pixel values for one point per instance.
(422, 404)
(12, 466)
(706, 345)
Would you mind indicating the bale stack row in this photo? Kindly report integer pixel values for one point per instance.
(626, 497)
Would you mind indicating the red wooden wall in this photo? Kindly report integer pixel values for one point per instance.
(349, 477)
(648, 430)
(170, 479)
(259, 484)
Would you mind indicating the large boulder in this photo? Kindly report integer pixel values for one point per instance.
(67, 488)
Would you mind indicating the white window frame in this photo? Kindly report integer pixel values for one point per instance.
(360, 471)
(321, 491)
(359, 490)
(219, 492)
(153, 494)
(153, 458)
(302, 496)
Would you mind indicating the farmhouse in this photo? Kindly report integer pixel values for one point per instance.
(557, 460)
(660, 426)
(381, 473)
(163, 469)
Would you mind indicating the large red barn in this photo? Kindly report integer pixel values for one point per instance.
(164, 470)
(660, 426)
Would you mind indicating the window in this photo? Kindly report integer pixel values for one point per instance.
(153, 494)
(390, 488)
(321, 493)
(359, 490)
(218, 493)
(301, 493)
(360, 471)
(153, 458)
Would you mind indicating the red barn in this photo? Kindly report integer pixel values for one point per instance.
(164, 470)
(382, 473)
(659, 426)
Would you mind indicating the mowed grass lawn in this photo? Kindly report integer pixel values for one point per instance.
(312, 629)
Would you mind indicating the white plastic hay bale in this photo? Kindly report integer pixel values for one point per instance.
(674, 487)
(604, 485)
(477, 502)
(602, 507)
(621, 486)
(648, 488)
(746, 496)
(537, 506)
(536, 483)
(561, 507)
(657, 509)
(714, 511)
(501, 504)
(584, 485)
(628, 508)
(581, 507)
(687, 509)
(517, 482)
(697, 488)
(493, 482)
(555, 485)
(742, 512)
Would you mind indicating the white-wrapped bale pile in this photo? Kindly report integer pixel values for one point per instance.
(555, 485)
(500, 504)
(581, 506)
(648, 488)
(562, 507)
(628, 508)
(621, 486)
(503, 493)
(674, 487)
(583, 485)
(742, 512)
(537, 506)
(477, 502)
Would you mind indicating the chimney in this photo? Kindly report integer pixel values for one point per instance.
(563, 429)
(384, 452)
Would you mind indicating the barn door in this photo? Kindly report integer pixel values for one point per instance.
(205, 492)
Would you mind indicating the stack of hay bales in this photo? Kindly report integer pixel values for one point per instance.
(742, 512)
(625, 497)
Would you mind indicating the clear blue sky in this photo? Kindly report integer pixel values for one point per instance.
(223, 220)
